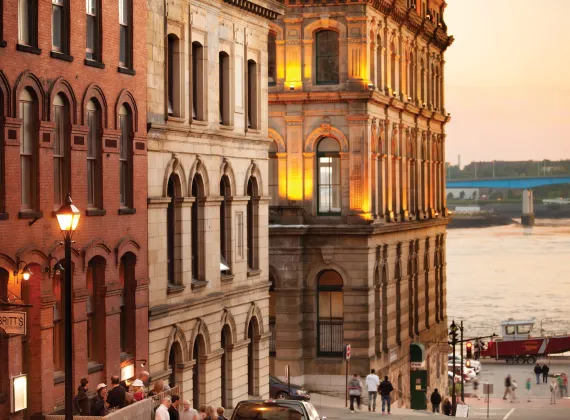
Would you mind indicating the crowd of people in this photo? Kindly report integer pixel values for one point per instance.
(374, 387)
(120, 395)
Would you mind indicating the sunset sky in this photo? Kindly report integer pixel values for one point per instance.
(508, 80)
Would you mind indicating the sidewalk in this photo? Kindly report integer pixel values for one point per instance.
(333, 408)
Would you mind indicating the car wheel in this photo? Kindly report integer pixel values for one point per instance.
(282, 396)
(510, 360)
(531, 360)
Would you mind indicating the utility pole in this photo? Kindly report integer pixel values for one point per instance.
(493, 169)
(475, 169)
(462, 378)
(453, 342)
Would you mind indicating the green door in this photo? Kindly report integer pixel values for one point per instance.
(418, 389)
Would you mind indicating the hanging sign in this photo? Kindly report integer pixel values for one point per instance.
(13, 323)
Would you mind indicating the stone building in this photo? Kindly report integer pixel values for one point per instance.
(72, 119)
(358, 212)
(208, 197)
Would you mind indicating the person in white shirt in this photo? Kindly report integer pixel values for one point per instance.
(188, 413)
(372, 382)
(162, 411)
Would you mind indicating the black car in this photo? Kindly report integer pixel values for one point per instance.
(280, 390)
(275, 410)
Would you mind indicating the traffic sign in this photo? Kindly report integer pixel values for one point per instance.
(347, 352)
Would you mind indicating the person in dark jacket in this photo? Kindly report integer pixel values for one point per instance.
(385, 388)
(446, 407)
(81, 400)
(508, 385)
(435, 400)
(98, 407)
(116, 396)
(173, 410)
(537, 372)
(545, 370)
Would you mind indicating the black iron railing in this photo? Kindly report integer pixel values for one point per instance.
(330, 337)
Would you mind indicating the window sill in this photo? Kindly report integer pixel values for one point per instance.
(3, 44)
(28, 49)
(93, 63)
(253, 273)
(127, 210)
(30, 214)
(58, 377)
(199, 122)
(95, 212)
(226, 127)
(175, 288)
(253, 130)
(198, 284)
(61, 56)
(226, 278)
(126, 70)
(93, 367)
(4, 216)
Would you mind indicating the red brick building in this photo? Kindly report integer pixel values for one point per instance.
(73, 119)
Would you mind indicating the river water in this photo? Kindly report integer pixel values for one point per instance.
(505, 272)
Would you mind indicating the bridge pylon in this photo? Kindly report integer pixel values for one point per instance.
(527, 218)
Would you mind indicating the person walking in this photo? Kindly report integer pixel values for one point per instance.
(98, 406)
(560, 384)
(162, 412)
(385, 389)
(528, 389)
(476, 388)
(173, 409)
(508, 384)
(354, 392)
(372, 383)
(446, 407)
(514, 387)
(553, 386)
(537, 372)
(545, 370)
(564, 385)
(116, 396)
(435, 400)
(188, 413)
(221, 411)
(81, 400)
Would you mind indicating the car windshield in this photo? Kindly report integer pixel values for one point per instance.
(269, 411)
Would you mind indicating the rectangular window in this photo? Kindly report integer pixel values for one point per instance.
(327, 61)
(329, 184)
(58, 26)
(93, 152)
(92, 35)
(59, 166)
(271, 59)
(124, 158)
(125, 50)
(27, 154)
(27, 12)
(239, 227)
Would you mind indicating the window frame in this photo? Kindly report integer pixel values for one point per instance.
(126, 190)
(173, 77)
(97, 197)
(31, 156)
(63, 138)
(96, 51)
(198, 77)
(31, 19)
(252, 95)
(224, 100)
(332, 155)
(272, 55)
(126, 26)
(64, 6)
(328, 289)
(327, 82)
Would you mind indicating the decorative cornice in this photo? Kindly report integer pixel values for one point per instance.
(259, 10)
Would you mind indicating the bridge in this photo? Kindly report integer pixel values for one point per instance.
(524, 183)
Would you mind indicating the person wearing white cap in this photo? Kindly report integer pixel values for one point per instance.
(162, 411)
(98, 406)
(137, 389)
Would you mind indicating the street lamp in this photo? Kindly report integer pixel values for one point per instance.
(68, 218)
(453, 342)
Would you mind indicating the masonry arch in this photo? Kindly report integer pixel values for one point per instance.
(278, 139)
(5, 96)
(199, 350)
(29, 81)
(93, 91)
(176, 353)
(325, 24)
(325, 130)
(226, 169)
(254, 331)
(253, 172)
(199, 169)
(175, 168)
(126, 98)
(62, 87)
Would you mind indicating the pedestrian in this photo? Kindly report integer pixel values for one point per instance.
(188, 413)
(211, 413)
(537, 372)
(162, 412)
(435, 400)
(221, 411)
(81, 400)
(354, 392)
(137, 389)
(528, 387)
(202, 412)
(560, 384)
(144, 377)
(565, 385)
(372, 383)
(98, 406)
(476, 388)
(385, 389)
(447, 407)
(553, 386)
(514, 387)
(116, 396)
(173, 409)
(508, 384)
(545, 370)
(157, 389)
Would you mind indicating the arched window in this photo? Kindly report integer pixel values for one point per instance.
(28, 22)
(174, 358)
(61, 149)
(224, 88)
(29, 149)
(173, 232)
(125, 31)
(128, 304)
(95, 309)
(94, 151)
(252, 224)
(253, 357)
(199, 374)
(273, 181)
(58, 290)
(328, 176)
(384, 306)
(271, 59)
(198, 58)
(197, 229)
(225, 377)
(393, 68)
(327, 61)
(330, 310)
(426, 284)
(174, 76)
(252, 105)
(126, 156)
(225, 220)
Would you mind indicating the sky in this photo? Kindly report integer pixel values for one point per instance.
(507, 80)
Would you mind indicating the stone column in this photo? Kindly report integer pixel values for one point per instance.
(345, 183)
(309, 183)
(360, 185)
(282, 177)
(374, 65)
(390, 181)
(382, 67)
(237, 359)
(212, 375)
(295, 148)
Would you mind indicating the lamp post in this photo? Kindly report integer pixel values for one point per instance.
(68, 218)
(453, 342)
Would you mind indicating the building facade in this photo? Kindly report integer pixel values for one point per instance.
(208, 203)
(72, 120)
(358, 212)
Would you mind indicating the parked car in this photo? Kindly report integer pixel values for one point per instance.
(468, 373)
(470, 363)
(280, 390)
(275, 410)
(451, 377)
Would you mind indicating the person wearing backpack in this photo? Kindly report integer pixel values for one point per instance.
(354, 391)
(385, 388)
(81, 400)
